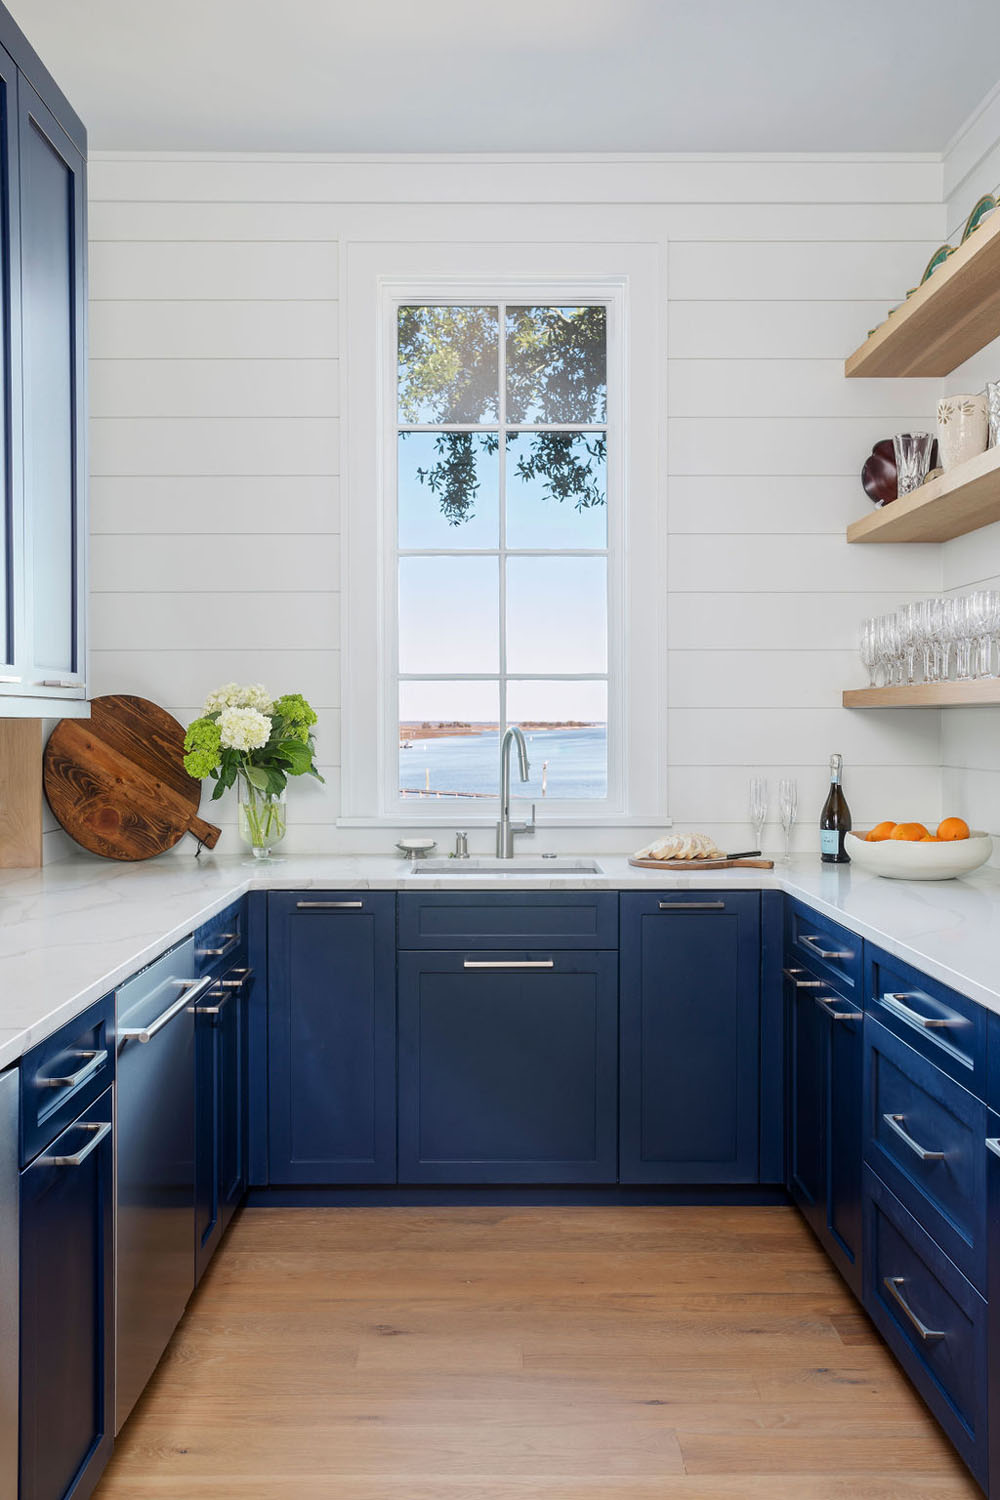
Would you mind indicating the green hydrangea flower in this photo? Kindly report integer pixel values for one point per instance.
(202, 743)
(298, 715)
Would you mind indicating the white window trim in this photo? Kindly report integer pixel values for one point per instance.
(376, 278)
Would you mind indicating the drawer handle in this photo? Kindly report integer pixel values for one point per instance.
(993, 1144)
(213, 1010)
(802, 984)
(692, 906)
(95, 1061)
(237, 984)
(192, 989)
(814, 943)
(329, 905)
(895, 1123)
(99, 1133)
(898, 1004)
(230, 940)
(509, 963)
(892, 1285)
(837, 1015)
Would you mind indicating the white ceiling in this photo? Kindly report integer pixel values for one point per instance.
(522, 75)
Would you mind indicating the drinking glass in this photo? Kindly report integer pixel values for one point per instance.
(758, 808)
(908, 618)
(890, 650)
(868, 649)
(984, 626)
(932, 622)
(913, 460)
(960, 630)
(788, 806)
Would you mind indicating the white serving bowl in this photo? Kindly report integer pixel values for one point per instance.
(897, 859)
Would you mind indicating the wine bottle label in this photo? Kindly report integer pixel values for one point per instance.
(829, 841)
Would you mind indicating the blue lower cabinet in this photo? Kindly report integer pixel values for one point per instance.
(992, 1147)
(67, 1316)
(508, 1067)
(220, 1110)
(933, 1320)
(690, 1037)
(331, 1037)
(825, 1053)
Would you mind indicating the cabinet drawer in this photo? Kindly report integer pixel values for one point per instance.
(931, 1318)
(940, 1024)
(832, 951)
(924, 1136)
(62, 1076)
(508, 919)
(220, 939)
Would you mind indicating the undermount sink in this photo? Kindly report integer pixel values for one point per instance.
(556, 864)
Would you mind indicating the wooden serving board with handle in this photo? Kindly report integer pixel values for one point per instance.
(703, 864)
(116, 781)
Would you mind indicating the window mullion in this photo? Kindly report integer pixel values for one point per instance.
(502, 482)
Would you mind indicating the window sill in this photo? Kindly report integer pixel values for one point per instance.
(456, 818)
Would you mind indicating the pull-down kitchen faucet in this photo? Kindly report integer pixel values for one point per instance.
(505, 828)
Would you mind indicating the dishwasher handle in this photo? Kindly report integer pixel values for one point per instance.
(192, 990)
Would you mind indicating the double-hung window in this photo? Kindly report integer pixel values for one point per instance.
(503, 532)
(504, 548)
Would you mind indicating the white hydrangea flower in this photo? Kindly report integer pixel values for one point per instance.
(243, 729)
(236, 695)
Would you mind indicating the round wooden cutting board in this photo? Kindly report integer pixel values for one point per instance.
(117, 784)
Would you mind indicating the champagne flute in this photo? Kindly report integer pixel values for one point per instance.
(788, 806)
(758, 808)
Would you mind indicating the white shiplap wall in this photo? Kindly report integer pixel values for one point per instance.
(971, 736)
(215, 444)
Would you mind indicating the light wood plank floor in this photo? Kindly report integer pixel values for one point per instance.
(565, 1354)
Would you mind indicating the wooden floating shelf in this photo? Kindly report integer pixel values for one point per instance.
(954, 313)
(962, 500)
(973, 694)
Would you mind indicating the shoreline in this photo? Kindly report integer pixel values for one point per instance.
(410, 732)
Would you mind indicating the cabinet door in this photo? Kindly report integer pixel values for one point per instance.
(690, 1037)
(67, 1329)
(331, 1028)
(207, 1219)
(507, 1067)
(844, 1052)
(220, 1112)
(806, 1094)
(11, 492)
(992, 1149)
(53, 310)
(232, 1076)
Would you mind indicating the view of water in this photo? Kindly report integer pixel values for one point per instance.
(575, 763)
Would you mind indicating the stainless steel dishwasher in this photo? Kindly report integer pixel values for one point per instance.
(9, 1279)
(155, 1188)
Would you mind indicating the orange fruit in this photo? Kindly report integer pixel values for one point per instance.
(952, 829)
(910, 832)
(931, 838)
(879, 832)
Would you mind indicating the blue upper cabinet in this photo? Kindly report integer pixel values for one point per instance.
(43, 413)
(331, 1037)
(508, 1066)
(690, 1037)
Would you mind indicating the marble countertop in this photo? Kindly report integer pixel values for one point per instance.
(71, 932)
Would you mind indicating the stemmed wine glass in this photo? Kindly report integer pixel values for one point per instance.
(788, 806)
(758, 808)
(869, 649)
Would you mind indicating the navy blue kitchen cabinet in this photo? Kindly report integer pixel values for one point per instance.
(825, 1054)
(221, 1112)
(992, 1146)
(690, 1037)
(331, 1037)
(508, 1067)
(67, 1309)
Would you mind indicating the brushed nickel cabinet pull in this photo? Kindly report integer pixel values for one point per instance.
(94, 1061)
(692, 906)
(802, 984)
(836, 1015)
(509, 963)
(892, 1285)
(898, 1004)
(230, 940)
(993, 1144)
(329, 905)
(895, 1123)
(813, 942)
(99, 1132)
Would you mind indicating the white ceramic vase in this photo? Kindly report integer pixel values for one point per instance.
(963, 429)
